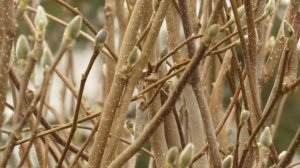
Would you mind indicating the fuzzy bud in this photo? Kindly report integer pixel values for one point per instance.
(244, 117)
(47, 58)
(288, 30)
(227, 162)
(213, 30)
(129, 127)
(132, 57)
(186, 156)
(22, 6)
(101, 37)
(40, 21)
(241, 11)
(281, 155)
(270, 6)
(29, 96)
(72, 30)
(22, 48)
(265, 138)
(172, 155)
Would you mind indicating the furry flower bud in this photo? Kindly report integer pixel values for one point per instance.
(22, 6)
(186, 156)
(133, 56)
(281, 155)
(172, 155)
(101, 37)
(265, 138)
(72, 29)
(29, 96)
(129, 127)
(40, 20)
(244, 117)
(47, 58)
(213, 30)
(241, 11)
(227, 162)
(22, 48)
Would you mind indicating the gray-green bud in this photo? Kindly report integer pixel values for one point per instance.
(172, 155)
(22, 6)
(29, 96)
(132, 57)
(244, 117)
(265, 138)
(40, 20)
(72, 30)
(129, 127)
(227, 162)
(281, 155)
(241, 11)
(213, 30)
(47, 58)
(22, 48)
(186, 156)
(101, 37)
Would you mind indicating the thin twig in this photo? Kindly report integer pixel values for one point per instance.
(76, 113)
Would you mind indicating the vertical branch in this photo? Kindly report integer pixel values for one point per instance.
(157, 140)
(251, 35)
(216, 98)
(7, 33)
(109, 10)
(246, 52)
(117, 129)
(259, 10)
(196, 81)
(117, 88)
(122, 18)
(171, 130)
(167, 107)
(273, 98)
(186, 20)
(76, 113)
